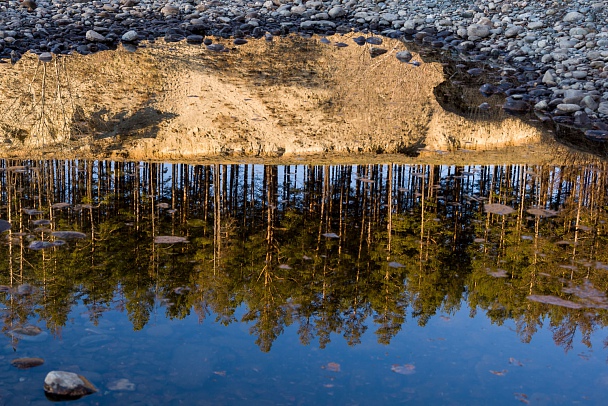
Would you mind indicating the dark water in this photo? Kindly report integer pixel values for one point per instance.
(365, 284)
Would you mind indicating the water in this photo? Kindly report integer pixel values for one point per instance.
(302, 284)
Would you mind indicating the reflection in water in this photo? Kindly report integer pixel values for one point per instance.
(288, 97)
(330, 249)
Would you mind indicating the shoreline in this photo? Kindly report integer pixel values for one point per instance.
(548, 60)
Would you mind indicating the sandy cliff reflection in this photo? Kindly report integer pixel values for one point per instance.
(335, 250)
(264, 98)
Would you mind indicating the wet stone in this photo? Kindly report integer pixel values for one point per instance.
(26, 363)
(4, 226)
(31, 334)
(516, 106)
(60, 385)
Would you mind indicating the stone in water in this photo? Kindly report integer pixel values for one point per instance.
(169, 239)
(67, 385)
(4, 226)
(69, 235)
(25, 363)
(496, 208)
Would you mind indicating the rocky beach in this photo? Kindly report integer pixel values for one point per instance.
(551, 57)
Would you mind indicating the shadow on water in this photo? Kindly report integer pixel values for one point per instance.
(335, 250)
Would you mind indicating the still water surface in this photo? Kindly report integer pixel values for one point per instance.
(352, 284)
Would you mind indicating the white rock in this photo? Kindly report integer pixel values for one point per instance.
(568, 108)
(390, 17)
(513, 31)
(94, 36)
(589, 102)
(45, 57)
(573, 16)
(69, 384)
(549, 79)
(475, 31)
(169, 10)
(130, 36)
(299, 10)
(309, 25)
(535, 25)
(335, 12)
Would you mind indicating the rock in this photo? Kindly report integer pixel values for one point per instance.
(317, 25)
(67, 385)
(515, 106)
(239, 41)
(45, 57)
(194, 39)
(581, 119)
(360, 40)
(549, 79)
(541, 105)
(215, 47)
(4, 226)
(513, 31)
(475, 31)
(568, 108)
(573, 16)
(376, 51)
(603, 108)
(488, 89)
(94, 36)
(533, 25)
(299, 10)
(390, 17)
(335, 12)
(404, 56)
(589, 102)
(169, 10)
(130, 36)
(25, 363)
(374, 40)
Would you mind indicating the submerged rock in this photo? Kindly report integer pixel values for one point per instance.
(67, 385)
(4, 226)
(25, 363)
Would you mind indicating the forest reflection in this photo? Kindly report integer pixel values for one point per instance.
(333, 250)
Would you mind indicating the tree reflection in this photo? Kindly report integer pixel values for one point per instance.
(334, 250)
